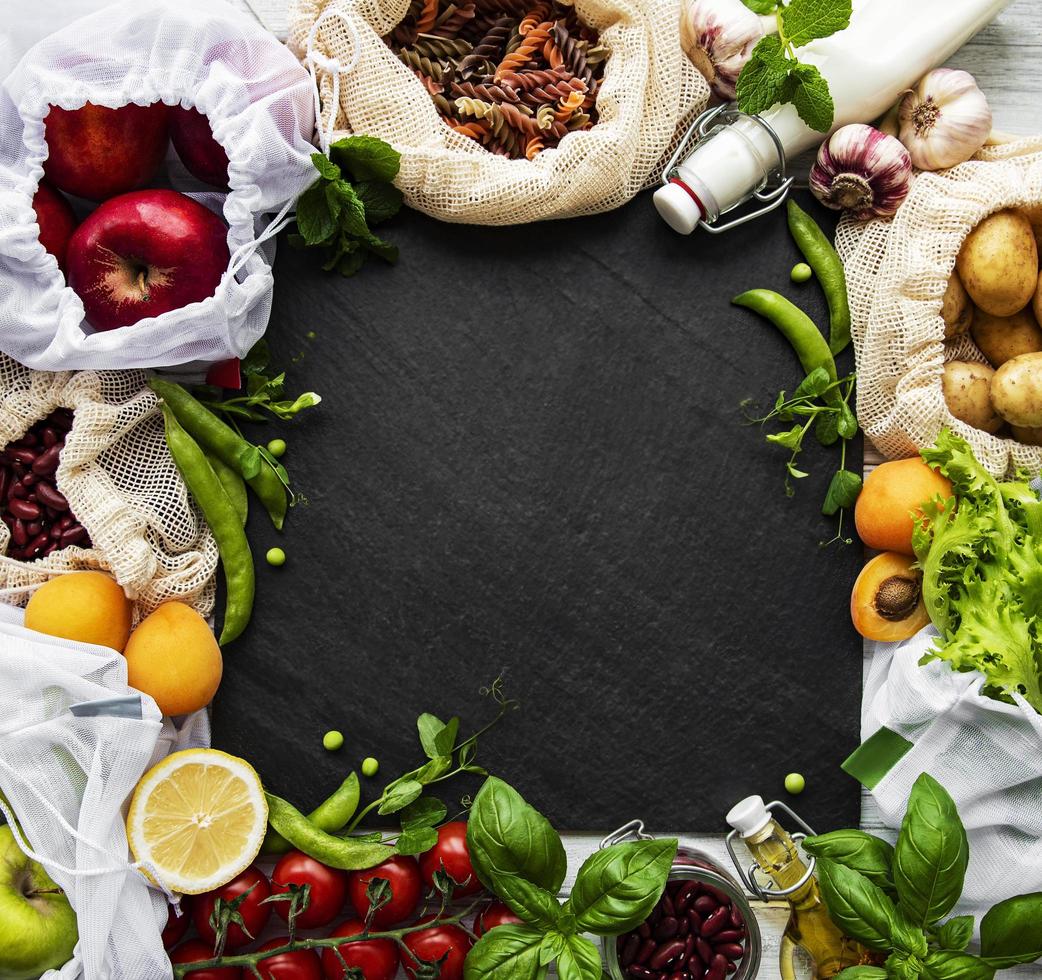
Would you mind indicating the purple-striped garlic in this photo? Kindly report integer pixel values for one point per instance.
(719, 36)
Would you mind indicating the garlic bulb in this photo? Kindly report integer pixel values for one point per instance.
(861, 170)
(719, 36)
(944, 120)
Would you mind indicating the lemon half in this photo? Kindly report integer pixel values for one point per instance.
(198, 819)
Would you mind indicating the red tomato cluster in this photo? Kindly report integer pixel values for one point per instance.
(331, 894)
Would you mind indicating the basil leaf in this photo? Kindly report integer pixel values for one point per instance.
(529, 902)
(425, 812)
(400, 795)
(945, 964)
(842, 492)
(862, 910)
(366, 158)
(807, 20)
(906, 936)
(931, 854)
(617, 888)
(956, 933)
(862, 973)
(866, 854)
(552, 946)
(579, 960)
(506, 953)
(901, 966)
(419, 840)
(1011, 932)
(506, 836)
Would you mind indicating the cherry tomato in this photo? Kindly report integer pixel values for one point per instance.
(253, 912)
(492, 915)
(376, 958)
(194, 951)
(176, 926)
(434, 943)
(406, 890)
(451, 855)
(301, 964)
(328, 889)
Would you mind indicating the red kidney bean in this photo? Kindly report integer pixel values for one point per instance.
(666, 955)
(628, 950)
(33, 528)
(25, 456)
(717, 969)
(74, 535)
(51, 496)
(679, 975)
(705, 951)
(50, 436)
(666, 929)
(646, 951)
(47, 462)
(37, 545)
(733, 951)
(19, 535)
(686, 895)
(667, 907)
(17, 492)
(683, 927)
(736, 917)
(706, 905)
(695, 966)
(24, 509)
(715, 922)
(641, 973)
(67, 521)
(727, 936)
(696, 921)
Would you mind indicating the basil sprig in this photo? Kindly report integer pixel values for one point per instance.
(518, 855)
(893, 899)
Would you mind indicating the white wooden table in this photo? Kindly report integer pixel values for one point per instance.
(1004, 59)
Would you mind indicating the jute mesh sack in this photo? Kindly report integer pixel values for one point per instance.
(897, 272)
(650, 91)
(121, 484)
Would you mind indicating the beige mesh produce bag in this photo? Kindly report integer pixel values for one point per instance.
(897, 272)
(121, 484)
(650, 89)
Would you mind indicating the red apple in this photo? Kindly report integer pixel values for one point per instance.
(57, 222)
(145, 253)
(96, 152)
(193, 139)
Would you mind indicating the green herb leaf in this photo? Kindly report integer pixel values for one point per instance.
(931, 854)
(947, 965)
(315, 221)
(617, 887)
(862, 973)
(579, 960)
(808, 91)
(907, 937)
(956, 933)
(325, 166)
(400, 795)
(847, 424)
(866, 854)
(901, 966)
(429, 727)
(553, 945)
(424, 812)
(381, 201)
(366, 158)
(842, 492)
(790, 439)
(762, 81)
(761, 6)
(861, 909)
(506, 953)
(507, 837)
(1011, 933)
(826, 427)
(250, 462)
(807, 20)
(257, 360)
(529, 902)
(816, 383)
(418, 840)
(352, 211)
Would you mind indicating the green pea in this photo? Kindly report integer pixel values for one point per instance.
(333, 740)
(277, 447)
(795, 783)
(801, 272)
(370, 767)
(276, 557)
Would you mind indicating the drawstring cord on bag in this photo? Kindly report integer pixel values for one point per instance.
(316, 60)
(245, 251)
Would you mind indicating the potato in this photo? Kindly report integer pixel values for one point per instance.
(1016, 390)
(1033, 213)
(1036, 303)
(956, 310)
(1027, 435)
(998, 263)
(967, 391)
(1001, 338)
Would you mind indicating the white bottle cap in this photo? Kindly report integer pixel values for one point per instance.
(749, 817)
(678, 208)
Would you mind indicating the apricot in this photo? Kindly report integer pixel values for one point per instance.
(892, 493)
(887, 601)
(88, 607)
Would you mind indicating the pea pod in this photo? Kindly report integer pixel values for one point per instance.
(220, 514)
(223, 441)
(345, 853)
(798, 329)
(234, 485)
(825, 262)
(331, 815)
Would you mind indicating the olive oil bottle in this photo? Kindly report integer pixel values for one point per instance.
(812, 947)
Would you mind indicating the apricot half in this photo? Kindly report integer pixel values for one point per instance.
(887, 601)
(892, 493)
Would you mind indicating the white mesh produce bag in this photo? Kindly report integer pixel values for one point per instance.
(986, 753)
(650, 89)
(74, 741)
(897, 271)
(121, 484)
(260, 103)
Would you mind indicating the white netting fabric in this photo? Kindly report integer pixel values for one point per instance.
(121, 484)
(650, 90)
(987, 754)
(68, 767)
(897, 272)
(260, 104)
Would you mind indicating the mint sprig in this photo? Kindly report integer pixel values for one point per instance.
(774, 73)
(354, 192)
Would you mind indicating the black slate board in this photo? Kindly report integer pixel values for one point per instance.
(530, 460)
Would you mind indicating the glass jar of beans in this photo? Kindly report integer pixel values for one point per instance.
(703, 927)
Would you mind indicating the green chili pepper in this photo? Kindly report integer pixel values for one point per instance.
(798, 328)
(234, 485)
(331, 815)
(345, 853)
(825, 262)
(224, 442)
(221, 515)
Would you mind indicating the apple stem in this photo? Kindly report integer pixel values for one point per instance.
(142, 284)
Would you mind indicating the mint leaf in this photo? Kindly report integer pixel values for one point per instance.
(386, 251)
(806, 20)
(352, 212)
(762, 6)
(808, 91)
(325, 166)
(381, 201)
(314, 219)
(762, 81)
(366, 158)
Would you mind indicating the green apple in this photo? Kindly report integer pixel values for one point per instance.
(37, 923)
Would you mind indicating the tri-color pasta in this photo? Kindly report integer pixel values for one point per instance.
(517, 76)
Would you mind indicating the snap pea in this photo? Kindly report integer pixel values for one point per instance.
(798, 328)
(221, 515)
(332, 814)
(234, 485)
(223, 441)
(825, 262)
(345, 853)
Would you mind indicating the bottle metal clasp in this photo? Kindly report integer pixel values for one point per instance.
(749, 876)
(634, 829)
(703, 129)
